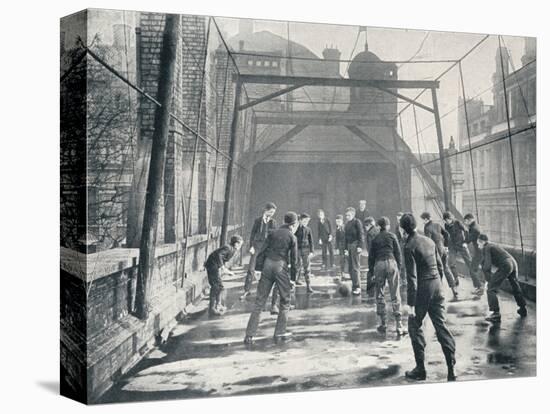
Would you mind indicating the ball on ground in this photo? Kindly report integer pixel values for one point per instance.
(344, 289)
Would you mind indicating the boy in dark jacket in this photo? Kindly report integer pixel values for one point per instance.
(260, 230)
(362, 213)
(473, 233)
(305, 251)
(506, 267)
(355, 243)
(458, 236)
(425, 297)
(384, 264)
(341, 241)
(399, 234)
(440, 237)
(280, 251)
(215, 267)
(371, 230)
(325, 239)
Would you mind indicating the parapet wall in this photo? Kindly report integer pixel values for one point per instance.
(101, 339)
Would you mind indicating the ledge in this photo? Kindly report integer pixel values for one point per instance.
(93, 266)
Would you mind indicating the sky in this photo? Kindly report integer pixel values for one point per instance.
(401, 45)
(389, 44)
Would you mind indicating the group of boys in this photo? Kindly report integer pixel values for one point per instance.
(425, 259)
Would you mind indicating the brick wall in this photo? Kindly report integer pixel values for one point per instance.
(101, 339)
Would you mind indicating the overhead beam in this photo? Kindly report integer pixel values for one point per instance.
(342, 82)
(269, 97)
(368, 140)
(325, 118)
(407, 99)
(262, 155)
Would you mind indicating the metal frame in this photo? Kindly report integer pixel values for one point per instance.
(302, 119)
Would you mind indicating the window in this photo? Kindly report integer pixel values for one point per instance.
(250, 63)
(266, 63)
(275, 64)
(259, 63)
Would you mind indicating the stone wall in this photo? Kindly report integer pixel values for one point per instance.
(100, 337)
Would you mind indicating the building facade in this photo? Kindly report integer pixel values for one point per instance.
(490, 177)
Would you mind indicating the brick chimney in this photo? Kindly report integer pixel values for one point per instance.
(332, 55)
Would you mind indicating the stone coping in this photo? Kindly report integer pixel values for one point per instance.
(93, 266)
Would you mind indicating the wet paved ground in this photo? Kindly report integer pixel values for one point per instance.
(335, 345)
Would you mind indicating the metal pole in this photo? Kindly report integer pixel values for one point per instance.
(511, 153)
(232, 150)
(446, 192)
(156, 168)
(467, 120)
(398, 171)
(187, 224)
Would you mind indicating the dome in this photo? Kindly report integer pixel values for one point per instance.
(366, 65)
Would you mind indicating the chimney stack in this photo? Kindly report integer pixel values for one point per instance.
(332, 55)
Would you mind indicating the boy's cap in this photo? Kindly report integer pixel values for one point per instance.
(235, 239)
(425, 216)
(270, 206)
(483, 237)
(304, 216)
(339, 217)
(290, 217)
(383, 222)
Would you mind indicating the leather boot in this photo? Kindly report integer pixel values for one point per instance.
(451, 361)
(399, 327)
(417, 374)
(382, 327)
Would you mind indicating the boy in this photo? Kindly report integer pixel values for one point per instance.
(262, 227)
(362, 213)
(280, 251)
(440, 237)
(384, 264)
(425, 297)
(399, 233)
(505, 267)
(371, 230)
(458, 247)
(215, 267)
(341, 242)
(473, 233)
(305, 251)
(325, 239)
(355, 240)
